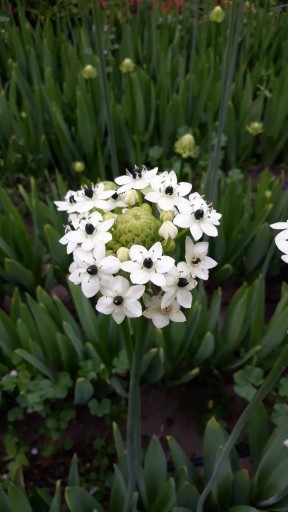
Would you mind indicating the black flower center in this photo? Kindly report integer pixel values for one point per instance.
(89, 228)
(182, 282)
(169, 190)
(72, 199)
(118, 300)
(71, 226)
(148, 263)
(199, 214)
(115, 195)
(136, 172)
(92, 270)
(195, 261)
(88, 192)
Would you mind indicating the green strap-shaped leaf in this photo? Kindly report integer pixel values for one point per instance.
(78, 500)
(35, 362)
(73, 476)
(155, 469)
(18, 500)
(56, 502)
(166, 499)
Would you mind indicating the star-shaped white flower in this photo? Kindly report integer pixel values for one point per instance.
(91, 231)
(120, 299)
(147, 265)
(92, 197)
(198, 263)
(161, 316)
(71, 200)
(137, 180)
(167, 193)
(93, 269)
(179, 282)
(199, 217)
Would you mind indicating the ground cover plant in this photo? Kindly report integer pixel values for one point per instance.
(109, 112)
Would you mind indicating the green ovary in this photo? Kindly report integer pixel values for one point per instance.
(136, 226)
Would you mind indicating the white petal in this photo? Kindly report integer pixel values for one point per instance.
(110, 265)
(105, 305)
(285, 258)
(209, 262)
(160, 320)
(118, 314)
(88, 244)
(184, 298)
(282, 235)
(164, 264)
(140, 276)
(76, 276)
(177, 316)
(135, 292)
(156, 251)
(138, 253)
(168, 298)
(132, 308)
(184, 188)
(196, 231)
(166, 203)
(279, 225)
(130, 266)
(208, 228)
(90, 286)
(99, 252)
(158, 279)
(282, 245)
(121, 285)
(183, 221)
(153, 197)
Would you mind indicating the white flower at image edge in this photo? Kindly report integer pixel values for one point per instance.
(92, 269)
(281, 240)
(147, 265)
(161, 316)
(197, 261)
(120, 299)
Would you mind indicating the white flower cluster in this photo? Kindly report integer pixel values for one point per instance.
(281, 240)
(119, 233)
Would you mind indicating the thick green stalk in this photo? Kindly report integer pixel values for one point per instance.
(276, 371)
(133, 437)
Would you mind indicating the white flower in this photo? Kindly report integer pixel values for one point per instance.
(137, 180)
(120, 300)
(281, 240)
(147, 265)
(167, 193)
(70, 200)
(92, 269)
(178, 285)
(168, 230)
(89, 198)
(161, 316)
(199, 217)
(198, 262)
(92, 230)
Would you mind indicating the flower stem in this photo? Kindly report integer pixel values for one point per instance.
(133, 437)
(182, 233)
(278, 368)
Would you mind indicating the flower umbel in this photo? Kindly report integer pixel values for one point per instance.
(120, 233)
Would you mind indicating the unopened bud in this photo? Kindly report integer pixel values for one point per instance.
(164, 216)
(186, 147)
(255, 128)
(89, 72)
(217, 15)
(168, 230)
(131, 197)
(127, 66)
(78, 166)
(123, 254)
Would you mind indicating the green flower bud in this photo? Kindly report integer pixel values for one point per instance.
(78, 166)
(255, 128)
(166, 216)
(186, 147)
(168, 246)
(168, 230)
(217, 15)
(135, 226)
(127, 66)
(89, 72)
(131, 197)
(123, 254)
(109, 185)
